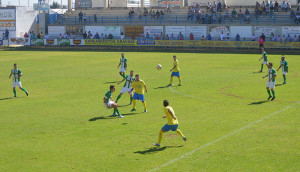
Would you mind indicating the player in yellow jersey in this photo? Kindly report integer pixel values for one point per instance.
(139, 87)
(175, 71)
(171, 125)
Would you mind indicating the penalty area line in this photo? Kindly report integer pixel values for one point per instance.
(223, 137)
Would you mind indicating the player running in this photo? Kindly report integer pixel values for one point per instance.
(265, 57)
(171, 125)
(285, 68)
(271, 81)
(127, 86)
(123, 64)
(109, 103)
(139, 87)
(175, 72)
(17, 79)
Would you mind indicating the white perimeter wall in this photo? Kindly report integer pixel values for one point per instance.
(26, 21)
(239, 2)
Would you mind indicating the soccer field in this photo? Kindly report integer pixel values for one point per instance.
(221, 107)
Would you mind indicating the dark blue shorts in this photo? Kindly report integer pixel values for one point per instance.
(170, 127)
(140, 97)
(177, 74)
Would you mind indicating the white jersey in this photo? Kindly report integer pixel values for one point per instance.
(128, 81)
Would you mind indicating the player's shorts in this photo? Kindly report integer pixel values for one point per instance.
(265, 62)
(123, 70)
(177, 74)
(284, 73)
(126, 90)
(109, 104)
(271, 85)
(170, 127)
(140, 97)
(17, 84)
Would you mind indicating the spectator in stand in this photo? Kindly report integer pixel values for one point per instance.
(227, 37)
(247, 15)
(167, 37)
(272, 35)
(261, 42)
(180, 36)
(289, 38)
(226, 16)
(208, 7)
(283, 38)
(60, 36)
(147, 36)
(38, 36)
(141, 15)
(157, 14)
(289, 6)
(102, 36)
(234, 14)
(6, 34)
(191, 36)
(267, 8)
(32, 35)
(295, 38)
(156, 37)
(26, 35)
(110, 36)
(208, 37)
(46, 36)
(278, 39)
(172, 37)
(253, 37)
(292, 14)
(122, 36)
(219, 7)
(84, 18)
(84, 35)
(96, 36)
(284, 6)
(42, 35)
(89, 35)
(276, 6)
(240, 14)
(263, 37)
(222, 36)
(257, 5)
(162, 37)
(237, 37)
(80, 15)
(95, 18)
(271, 6)
(263, 6)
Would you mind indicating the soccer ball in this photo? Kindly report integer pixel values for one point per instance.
(158, 67)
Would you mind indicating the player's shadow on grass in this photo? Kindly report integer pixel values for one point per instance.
(131, 113)
(111, 82)
(259, 102)
(162, 87)
(124, 105)
(101, 117)
(155, 149)
(7, 98)
(256, 72)
(277, 85)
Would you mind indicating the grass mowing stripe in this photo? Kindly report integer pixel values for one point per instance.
(221, 138)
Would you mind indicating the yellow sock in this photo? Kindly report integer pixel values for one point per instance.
(133, 102)
(179, 80)
(160, 136)
(171, 81)
(145, 106)
(179, 132)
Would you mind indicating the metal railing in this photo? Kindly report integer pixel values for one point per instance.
(176, 20)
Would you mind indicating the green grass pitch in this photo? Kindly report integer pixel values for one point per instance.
(63, 126)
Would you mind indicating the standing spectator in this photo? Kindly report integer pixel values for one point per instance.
(292, 14)
(42, 35)
(253, 37)
(271, 6)
(272, 35)
(167, 37)
(191, 36)
(147, 36)
(289, 38)
(172, 37)
(247, 15)
(96, 36)
(80, 15)
(263, 6)
(46, 36)
(122, 36)
(180, 36)
(219, 7)
(26, 35)
(238, 37)
(283, 38)
(263, 37)
(157, 37)
(234, 14)
(84, 35)
(89, 35)
(110, 36)
(208, 7)
(6, 34)
(289, 6)
(95, 18)
(222, 36)
(276, 6)
(38, 36)
(278, 39)
(261, 42)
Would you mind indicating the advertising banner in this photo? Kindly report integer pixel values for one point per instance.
(266, 30)
(114, 30)
(8, 19)
(110, 42)
(151, 30)
(77, 42)
(83, 4)
(50, 41)
(134, 31)
(1, 42)
(19, 41)
(175, 30)
(291, 30)
(54, 31)
(197, 31)
(216, 31)
(63, 42)
(38, 42)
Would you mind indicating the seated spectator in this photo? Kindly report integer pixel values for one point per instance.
(263, 37)
(110, 36)
(272, 35)
(284, 6)
(147, 36)
(122, 35)
(89, 35)
(65, 36)
(146, 12)
(278, 39)
(157, 14)
(263, 6)
(219, 7)
(172, 37)
(42, 35)
(283, 38)
(227, 37)
(102, 36)
(167, 37)
(247, 15)
(162, 13)
(208, 37)
(276, 6)
(84, 18)
(253, 37)
(191, 36)
(240, 13)
(295, 39)
(226, 16)
(180, 36)
(271, 6)
(46, 36)
(267, 8)
(26, 35)
(202, 38)
(237, 37)
(84, 35)
(156, 37)
(222, 36)
(234, 14)
(289, 38)
(292, 14)
(96, 36)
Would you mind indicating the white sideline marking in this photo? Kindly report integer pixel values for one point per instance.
(221, 138)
